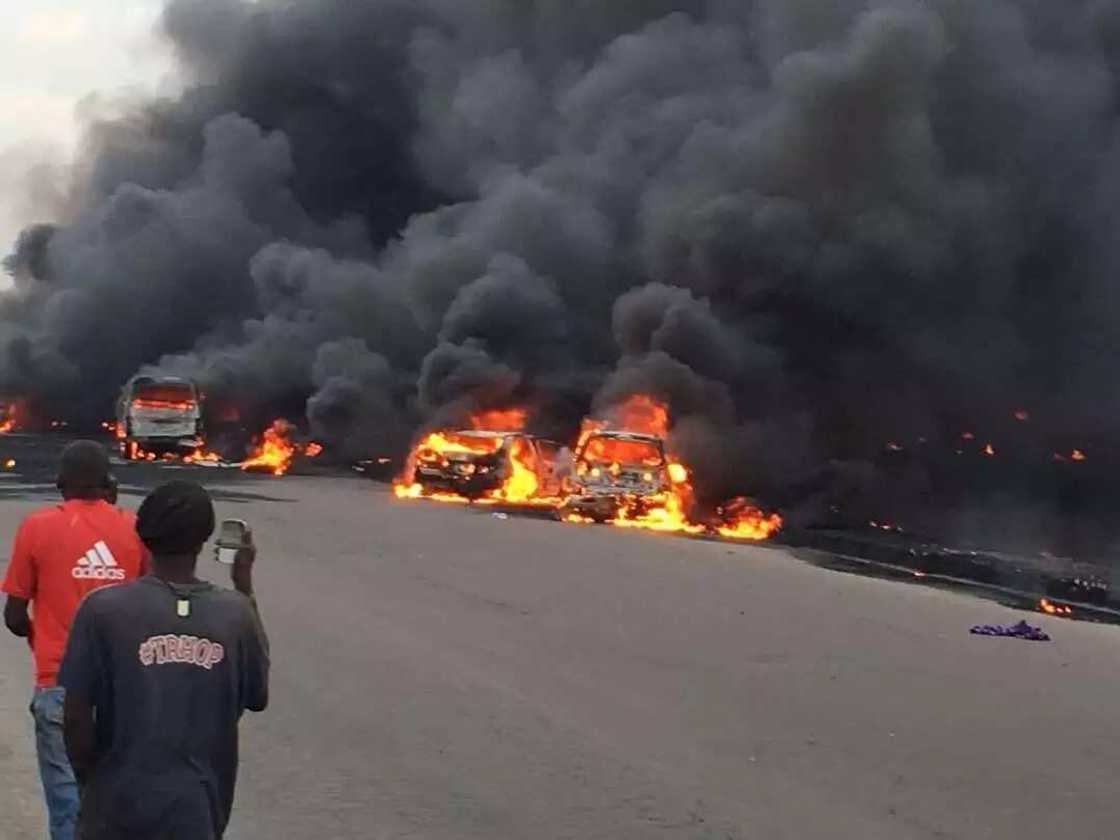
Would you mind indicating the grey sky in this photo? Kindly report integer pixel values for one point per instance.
(54, 56)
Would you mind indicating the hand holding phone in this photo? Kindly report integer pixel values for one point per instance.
(235, 549)
(233, 537)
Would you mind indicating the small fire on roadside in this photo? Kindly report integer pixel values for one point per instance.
(747, 522)
(1050, 608)
(277, 449)
(1076, 455)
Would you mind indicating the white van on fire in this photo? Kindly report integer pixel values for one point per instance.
(159, 415)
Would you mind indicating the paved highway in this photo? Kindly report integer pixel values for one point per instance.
(443, 673)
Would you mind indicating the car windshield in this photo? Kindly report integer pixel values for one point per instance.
(607, 449)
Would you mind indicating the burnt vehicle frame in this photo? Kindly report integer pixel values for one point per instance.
(159, 415)
(474, 474)
(600, 488)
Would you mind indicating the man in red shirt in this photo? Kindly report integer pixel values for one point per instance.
(61, 553)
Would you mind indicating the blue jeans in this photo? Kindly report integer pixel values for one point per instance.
(59, 784)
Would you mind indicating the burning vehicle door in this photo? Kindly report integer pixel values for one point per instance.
(550, 470)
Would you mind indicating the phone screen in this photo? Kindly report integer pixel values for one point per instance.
(231, 533)
(231, 536)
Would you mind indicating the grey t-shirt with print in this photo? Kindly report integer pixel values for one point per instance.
(169, 669)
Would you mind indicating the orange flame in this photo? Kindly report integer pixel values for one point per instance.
(640, 414)
(138, 453)
(989, 450)
(522, 484)
(500, 420)
(275, 451)
(201, 456)
(1050, 608)
(744, 521)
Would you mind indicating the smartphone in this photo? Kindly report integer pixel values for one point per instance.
(233, 535)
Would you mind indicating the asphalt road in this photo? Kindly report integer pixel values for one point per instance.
(442, 673)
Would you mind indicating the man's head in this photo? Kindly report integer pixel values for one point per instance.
(83, 471)
(176, 519)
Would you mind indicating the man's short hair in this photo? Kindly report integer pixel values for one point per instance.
(176, 518)
(84, 467)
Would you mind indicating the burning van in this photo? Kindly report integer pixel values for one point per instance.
(159, 415)
(615, 473)
(475, 464)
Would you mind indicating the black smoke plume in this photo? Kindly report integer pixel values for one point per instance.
(813, 227)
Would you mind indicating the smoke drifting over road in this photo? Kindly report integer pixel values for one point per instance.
(812, 226)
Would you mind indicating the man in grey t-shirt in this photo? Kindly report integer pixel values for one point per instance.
(157, 674)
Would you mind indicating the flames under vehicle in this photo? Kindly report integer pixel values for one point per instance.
(160, 415)
(7, 415)
(617, 472)
(478, 464)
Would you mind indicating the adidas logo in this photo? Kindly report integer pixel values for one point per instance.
(98, 564)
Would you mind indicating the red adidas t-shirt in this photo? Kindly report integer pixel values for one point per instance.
(60, 554)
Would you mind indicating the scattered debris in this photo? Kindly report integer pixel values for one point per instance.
(1022, 630)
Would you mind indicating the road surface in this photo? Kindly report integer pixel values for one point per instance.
(442, 673)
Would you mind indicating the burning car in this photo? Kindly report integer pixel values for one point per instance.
(159, 416)
(618, 473)
(477, 464)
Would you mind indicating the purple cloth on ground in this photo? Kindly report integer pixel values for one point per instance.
(1022, 630)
